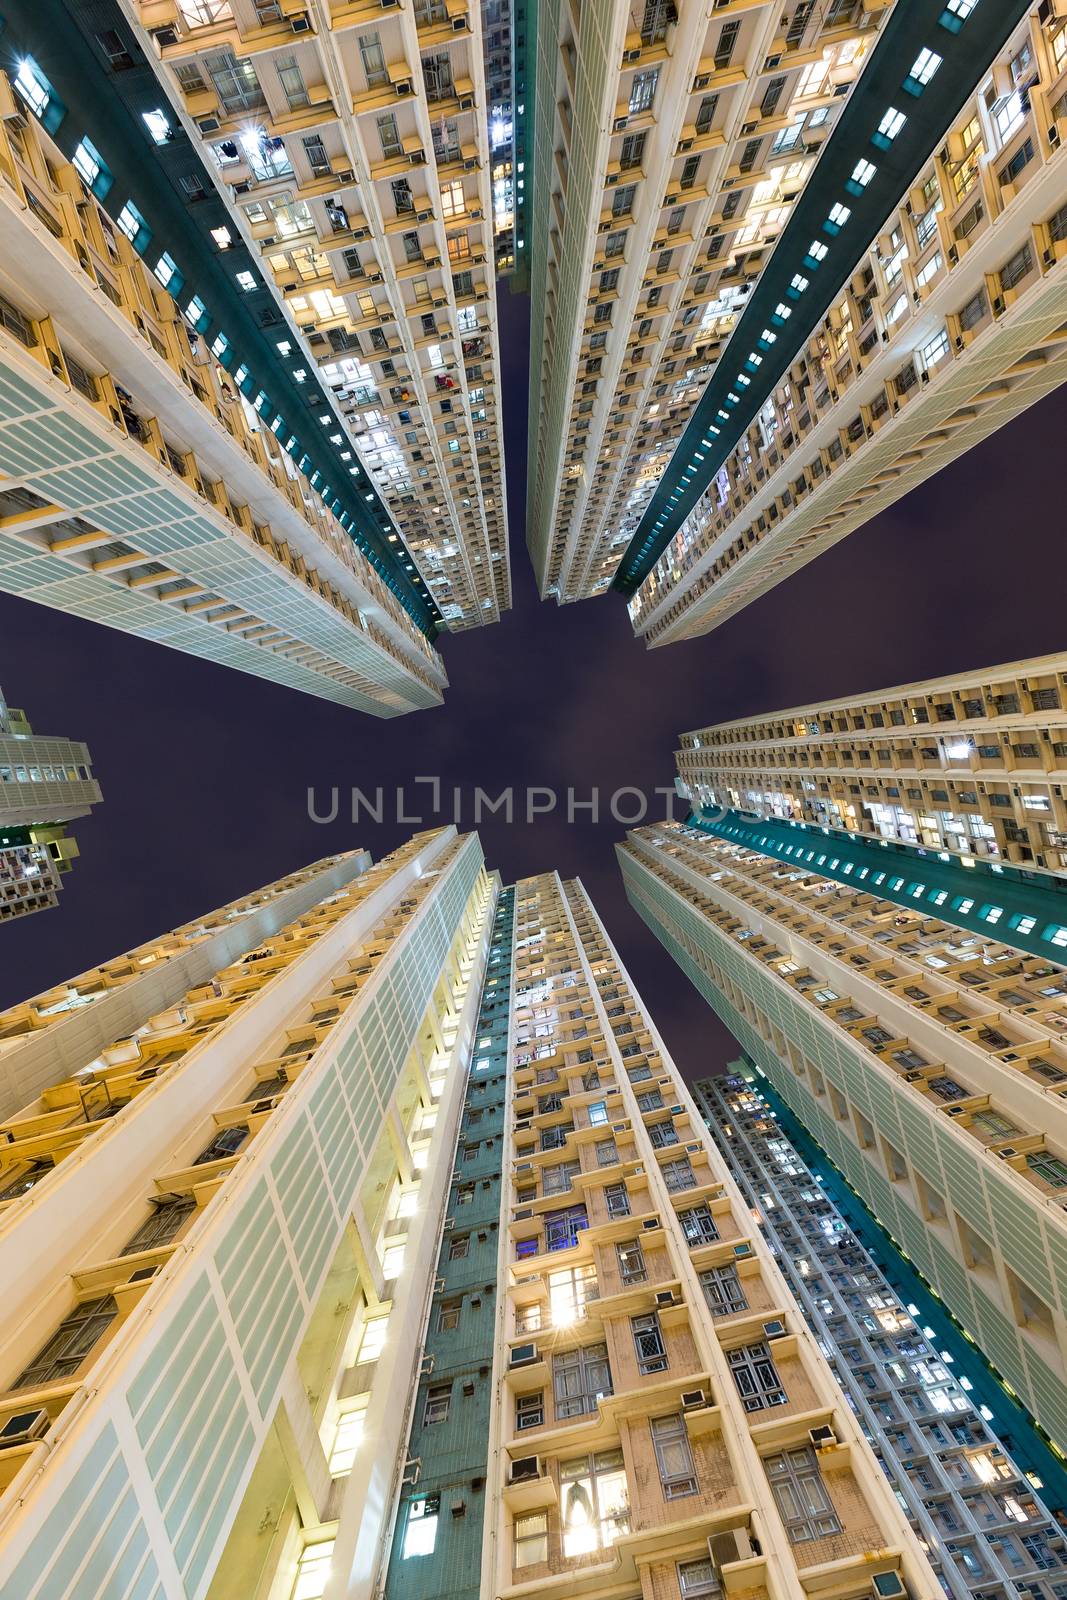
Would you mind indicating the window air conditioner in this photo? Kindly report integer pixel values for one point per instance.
(24, 1427)
(523, 1355)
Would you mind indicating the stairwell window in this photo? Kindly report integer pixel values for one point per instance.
(313, 1570)
(531, 1539)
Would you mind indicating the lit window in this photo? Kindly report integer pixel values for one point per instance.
(891, 123)
(373, 1340)
(392, 1261)
(165, 269)
(798, 283)
(839, 215)
(817, 250)
(222, 237)
(347, 1438)
(219, 346)
(313, 1571)
(131, 222)
(246, 281)
(863, 172)
(87, 163)
(961, 8)
(157, 125)
(924, 66)
(33, 87)
(195, 311)
(420, 1534)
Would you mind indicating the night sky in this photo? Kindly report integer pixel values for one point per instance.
(205, 772)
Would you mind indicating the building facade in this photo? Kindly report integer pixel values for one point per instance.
(708, 413)
(218, 1281)
(354, 142)
(395, 1258)
(638, 1405)
(929, 1063)
(943, 327)
(974, 764)
(45, 783)
(983, 1516)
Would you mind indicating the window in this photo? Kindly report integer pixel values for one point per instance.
(597, 1112)
(890, 125)
(166, 1217)
(1048, 1167)
(643, 91)
(633, 149)
(594, 1502)
(347, 1439)
(662, 1134)
(557, 1180)
(679, 1174)
(33, 87)
(706, 112)
(805, 1506)
(373, 1340)
(70, 1344)
(723, 1291)
(697, 1578)
(580, 1379)
(87, 162)
(132, 223)
(631, 1261)
(438, 1402)
(618, 1200)
(607, 1153)
(225, 1143)
(531, 1539)
(648, 1342)
(568, 1292)
(235, 83)
(529, 1411)
(1013, 271)
(313, 1570)
(420, 1532)
(459, 1247)
(292, 82)
(651, 1100)
(698, 1225)
(563, 1227)
(756, 1376)
(674, 1458)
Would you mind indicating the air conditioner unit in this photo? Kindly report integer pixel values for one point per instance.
(525, 1469)
(774, 1330)
(347, 176)
(701, 81)
(208, 124)
(888, 1586)
(650, 1223)
(523, 1355)
(620, 1127)
(459, 24)
(743, 1249)
(666, 1297)
(24, 1427)
(619, 125)
(423, 216)
(734, 1545)
(403, 86)
(823, 1437)
(693, 1399)
(300, 23)
(466, 102)
(1006, 1155)
(631, 56)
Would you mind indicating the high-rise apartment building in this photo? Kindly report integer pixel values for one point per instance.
(928, 1060)
(45, 783)
(395, 1258)
(265, 433)
(355, 144)
(789, 261)
(939, 1433)
(219, 1233)
(618, 1389)
(973, 764)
